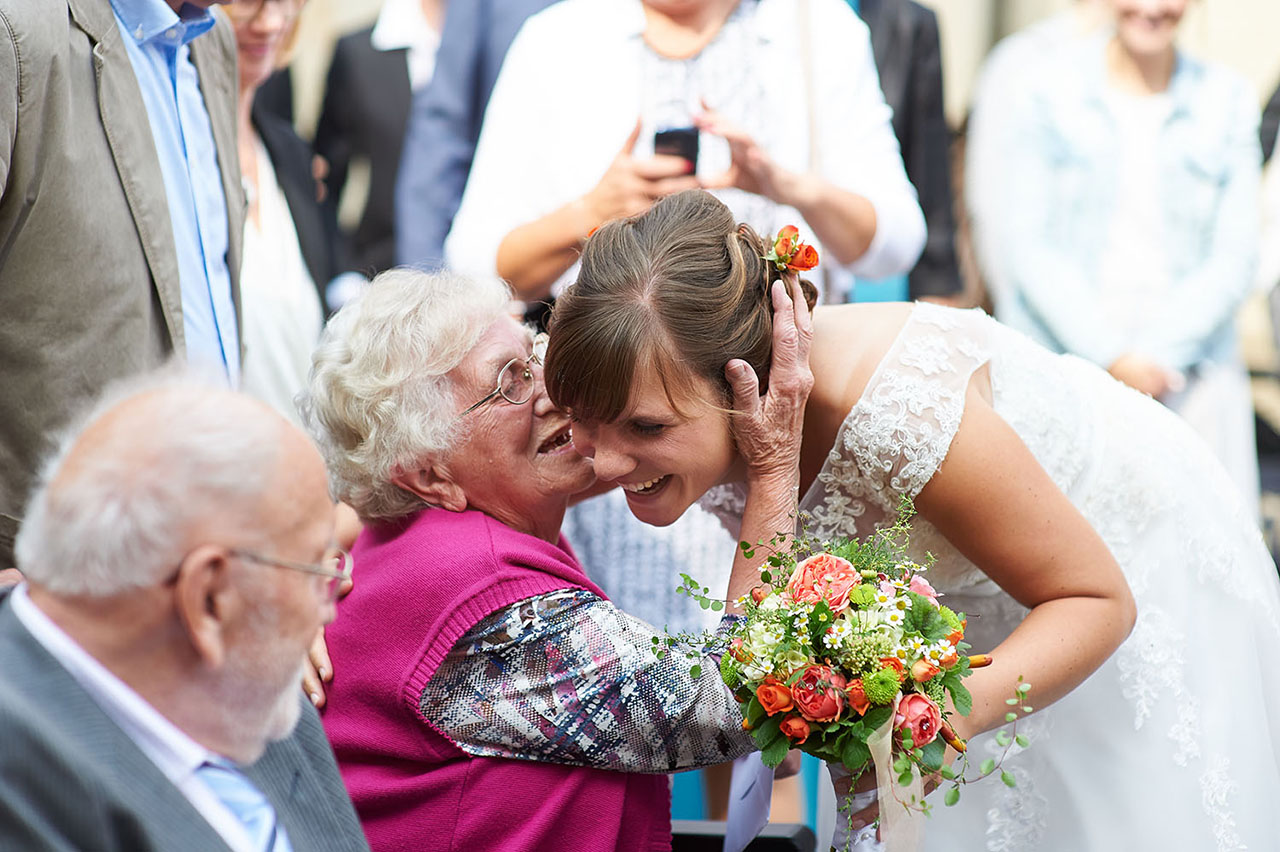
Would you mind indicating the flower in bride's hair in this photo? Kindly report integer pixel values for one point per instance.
(804, 258)
(789, 254)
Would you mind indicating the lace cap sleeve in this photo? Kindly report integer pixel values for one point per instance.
(898, 433)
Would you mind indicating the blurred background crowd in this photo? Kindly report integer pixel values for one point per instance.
(1092, 172)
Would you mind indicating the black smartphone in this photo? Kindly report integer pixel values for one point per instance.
(678, 142)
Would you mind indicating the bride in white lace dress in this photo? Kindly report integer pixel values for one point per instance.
(1035, 476)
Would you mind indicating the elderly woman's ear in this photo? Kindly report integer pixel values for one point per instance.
(433, 485)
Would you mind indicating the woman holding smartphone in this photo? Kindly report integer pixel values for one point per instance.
(791, 127)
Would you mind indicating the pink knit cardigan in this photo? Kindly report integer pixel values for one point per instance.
(420, 585)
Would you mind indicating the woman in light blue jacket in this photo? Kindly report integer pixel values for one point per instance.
(1130, 219)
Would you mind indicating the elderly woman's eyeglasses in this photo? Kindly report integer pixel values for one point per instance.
(246, 10)
(515, 380)
(335, 566)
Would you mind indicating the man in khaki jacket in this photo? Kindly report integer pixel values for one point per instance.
(120, 198)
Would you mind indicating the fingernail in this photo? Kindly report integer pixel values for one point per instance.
(324, 673)
(315, 698)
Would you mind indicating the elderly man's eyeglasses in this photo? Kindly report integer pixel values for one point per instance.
(335, 565)
(515, 380)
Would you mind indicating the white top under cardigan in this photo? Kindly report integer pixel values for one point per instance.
(572, 86)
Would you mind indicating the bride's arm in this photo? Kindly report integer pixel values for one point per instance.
(995, 503)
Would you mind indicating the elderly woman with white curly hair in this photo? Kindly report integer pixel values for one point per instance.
(486, 692)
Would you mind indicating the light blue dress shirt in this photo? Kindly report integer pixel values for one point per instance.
(157, 40)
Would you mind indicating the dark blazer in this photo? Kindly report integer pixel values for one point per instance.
(904, 41)
(89, 288)
(444, 124)
(366, 107)
(71, 779)
(315, 221)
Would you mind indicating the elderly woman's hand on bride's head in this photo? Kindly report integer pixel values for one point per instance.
(768, 428)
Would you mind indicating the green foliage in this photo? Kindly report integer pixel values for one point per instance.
(949, 617)
(960, 695)
(855, 752)
(775, 752)
(952, 796)
(934, 754)
(1008, 779)
(924, 618)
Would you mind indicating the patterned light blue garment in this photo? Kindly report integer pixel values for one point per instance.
(569, 678)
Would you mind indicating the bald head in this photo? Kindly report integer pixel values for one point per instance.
(160, 464)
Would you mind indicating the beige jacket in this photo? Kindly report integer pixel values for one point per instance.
(89, 286)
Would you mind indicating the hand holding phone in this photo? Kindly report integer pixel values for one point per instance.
(678, 142)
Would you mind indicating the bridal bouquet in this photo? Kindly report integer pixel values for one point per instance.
(846, 653)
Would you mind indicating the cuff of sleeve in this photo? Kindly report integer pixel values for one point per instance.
(899, 238)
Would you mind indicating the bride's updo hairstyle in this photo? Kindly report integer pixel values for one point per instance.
(681, 289)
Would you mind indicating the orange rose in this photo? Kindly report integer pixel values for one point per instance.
(805, 257)
(824, 578)
(819, 694)
(774, 696)
(897, 665)
(737, 651)
(949, 659)
(858, 701)
(759, 593)
(955, 636)
(922, 670)
(786, 241)
(795, 729)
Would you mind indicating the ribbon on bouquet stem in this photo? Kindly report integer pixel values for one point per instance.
(900, 827)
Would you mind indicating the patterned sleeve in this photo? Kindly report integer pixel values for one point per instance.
(567, 677)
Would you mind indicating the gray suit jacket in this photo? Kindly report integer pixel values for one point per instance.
(70, 779)
(89, 286)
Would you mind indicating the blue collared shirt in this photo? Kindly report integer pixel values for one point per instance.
(157, 40)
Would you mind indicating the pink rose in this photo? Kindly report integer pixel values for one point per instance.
(824, 578)
(819, 694)
(921, 586)
(918, 716)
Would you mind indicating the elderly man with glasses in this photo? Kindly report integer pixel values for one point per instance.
(179, 559)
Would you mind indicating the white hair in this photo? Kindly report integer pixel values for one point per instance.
(119, 515)
(380, 402)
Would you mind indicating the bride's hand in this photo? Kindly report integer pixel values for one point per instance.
(768, 428)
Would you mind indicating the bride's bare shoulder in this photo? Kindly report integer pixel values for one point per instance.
(849, 342)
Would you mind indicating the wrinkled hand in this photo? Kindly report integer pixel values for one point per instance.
(1145, 375)
(768, 428)
(318, 668)
(630, 185)
(750, 167)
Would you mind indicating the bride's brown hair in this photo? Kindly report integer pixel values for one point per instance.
(681, 288)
